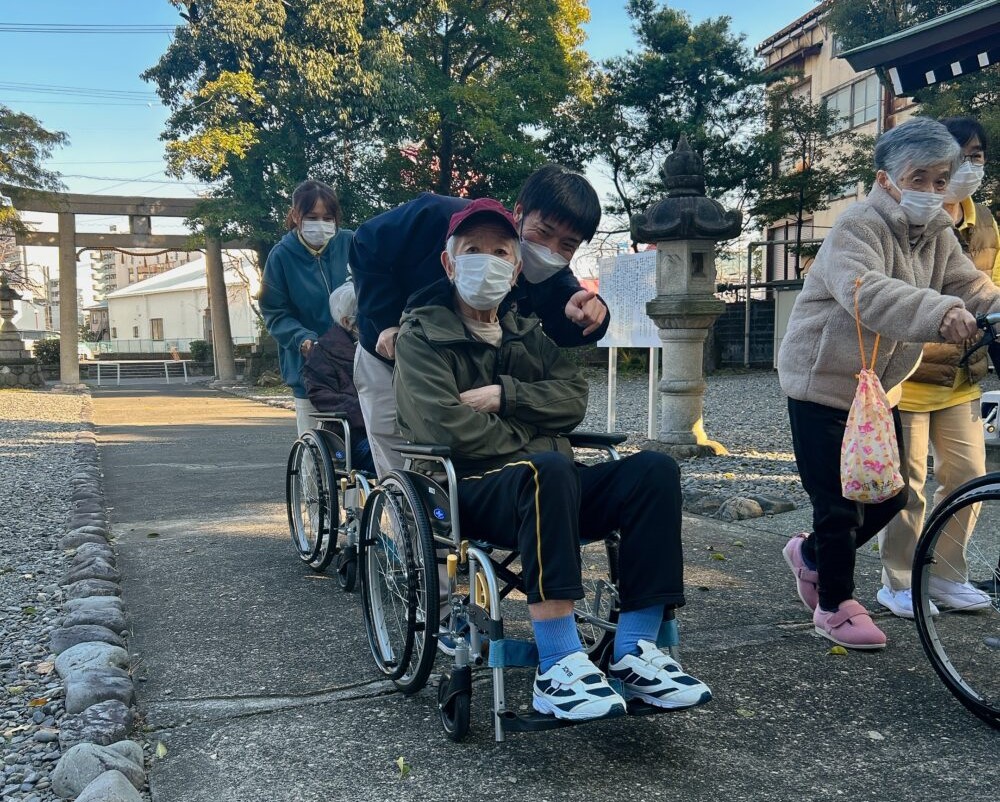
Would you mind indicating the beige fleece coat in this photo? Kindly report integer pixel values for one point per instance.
(905, 292)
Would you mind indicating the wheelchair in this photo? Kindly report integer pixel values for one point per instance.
(325, 497)
(413, 557)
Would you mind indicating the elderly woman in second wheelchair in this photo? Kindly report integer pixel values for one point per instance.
(473, 375)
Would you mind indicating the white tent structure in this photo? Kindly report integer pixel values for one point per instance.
(171, 309)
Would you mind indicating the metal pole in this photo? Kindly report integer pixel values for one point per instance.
(612, 386)
(651, 395)
(166, 370)
(746, 307)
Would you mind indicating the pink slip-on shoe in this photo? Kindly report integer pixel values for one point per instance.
(849, 626)
(806, 580)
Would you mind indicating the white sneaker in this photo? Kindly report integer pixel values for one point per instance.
(657, 679)
(900, 602)
(575, 689)
(957, 595)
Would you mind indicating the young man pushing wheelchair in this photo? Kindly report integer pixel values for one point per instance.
(473, 375)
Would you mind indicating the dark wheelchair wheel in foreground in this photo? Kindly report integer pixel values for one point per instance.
(963, 645)
(399, 583)
(311, 501)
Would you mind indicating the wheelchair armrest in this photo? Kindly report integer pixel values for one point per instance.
(595, 439)
(423, 450)
(328, 416)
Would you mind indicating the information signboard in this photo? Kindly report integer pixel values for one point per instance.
(627, 283)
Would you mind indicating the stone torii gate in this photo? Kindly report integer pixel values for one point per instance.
(139, 212)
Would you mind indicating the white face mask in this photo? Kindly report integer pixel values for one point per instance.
(317, 233)
(539, 263)
(482, 279)
(919, 207)
(965, 182)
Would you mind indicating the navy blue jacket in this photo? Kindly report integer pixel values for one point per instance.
(398, 253)
(295, 297)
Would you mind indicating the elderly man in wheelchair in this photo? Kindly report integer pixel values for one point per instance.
(487, 385)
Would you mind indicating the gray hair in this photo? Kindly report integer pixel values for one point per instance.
(917, 143)
(344, 303)
(452, 245)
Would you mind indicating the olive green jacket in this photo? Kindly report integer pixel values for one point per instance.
(543, 395)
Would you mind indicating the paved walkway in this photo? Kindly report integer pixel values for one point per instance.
(256, 676)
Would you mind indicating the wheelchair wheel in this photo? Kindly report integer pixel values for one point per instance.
(964, 645)
(311, 501)
(596, 613)
(456, 712)
(399, 583)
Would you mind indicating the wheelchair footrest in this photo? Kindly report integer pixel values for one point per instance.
(535, 721)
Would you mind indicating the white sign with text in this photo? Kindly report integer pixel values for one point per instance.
(627, 283)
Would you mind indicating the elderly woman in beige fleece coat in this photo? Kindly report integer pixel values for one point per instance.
(916, 286)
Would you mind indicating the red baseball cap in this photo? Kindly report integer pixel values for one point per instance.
(487, 207)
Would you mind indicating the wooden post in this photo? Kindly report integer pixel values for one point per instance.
(69, 332)
(222, 338)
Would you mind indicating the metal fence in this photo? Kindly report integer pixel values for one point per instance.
(182, 344)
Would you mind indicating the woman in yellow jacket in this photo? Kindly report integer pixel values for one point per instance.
(941, 409)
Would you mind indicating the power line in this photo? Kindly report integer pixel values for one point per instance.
(15, 27)
(86, 91)
(24, 102)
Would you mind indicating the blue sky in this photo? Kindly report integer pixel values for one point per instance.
(115, 141)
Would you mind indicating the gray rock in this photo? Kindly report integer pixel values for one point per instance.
(87, 506)
(89, 656)
(103, 723)
(111, 786)
(92, 587)
(77, 538)
(65, 637)
(774, 506)
(95, 568)
(90, 550)
(129, 749)
(45, 736)
(88, 686)
(108, 617)
(739, 509)
(95, 603)
(704, 504)
(91, 530)
(84, 763)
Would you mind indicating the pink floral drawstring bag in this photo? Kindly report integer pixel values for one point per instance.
(869, 454)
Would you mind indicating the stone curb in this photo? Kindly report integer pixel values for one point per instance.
(98, 762)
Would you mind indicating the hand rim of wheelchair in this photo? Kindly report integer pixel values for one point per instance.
(414, 660)
(315, 552)
(983, 488)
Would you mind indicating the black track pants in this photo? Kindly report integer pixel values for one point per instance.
(544, 505)
(839, 525)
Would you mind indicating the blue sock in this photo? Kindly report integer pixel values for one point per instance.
(634, 626)
(556, 638)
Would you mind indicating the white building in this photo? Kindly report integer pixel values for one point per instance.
(172, 309)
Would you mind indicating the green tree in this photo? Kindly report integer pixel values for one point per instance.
(700, 80)
(264, 94)
(813, 161)
(857, 22)
(482, 76)
(24, 145)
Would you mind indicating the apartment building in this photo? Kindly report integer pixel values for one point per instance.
(808, 47)
(115, 270)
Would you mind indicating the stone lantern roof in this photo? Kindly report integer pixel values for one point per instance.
(685, 214)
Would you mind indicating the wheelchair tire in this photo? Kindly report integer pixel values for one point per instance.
(347, 569)
(963, 646)
(311, 501)
(456, 712)
(596, 613)
(401, 564)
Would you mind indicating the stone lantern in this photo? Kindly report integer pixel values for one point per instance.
(17, 368)
(684, 226)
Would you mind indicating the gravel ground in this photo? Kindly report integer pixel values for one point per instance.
(746, 412)
(37, 431)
